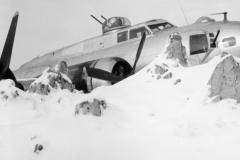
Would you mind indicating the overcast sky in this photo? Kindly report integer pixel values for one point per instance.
(47, 25)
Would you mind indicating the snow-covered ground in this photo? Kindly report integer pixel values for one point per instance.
(145, 118)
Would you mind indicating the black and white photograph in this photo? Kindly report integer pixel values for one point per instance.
(119, 80)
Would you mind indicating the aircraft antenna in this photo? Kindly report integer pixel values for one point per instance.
(183, 12)
(104, 18)
(96, 19)
(224, 13)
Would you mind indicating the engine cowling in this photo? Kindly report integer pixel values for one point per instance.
(117, 66)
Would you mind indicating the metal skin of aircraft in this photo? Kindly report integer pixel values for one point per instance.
(114, 52)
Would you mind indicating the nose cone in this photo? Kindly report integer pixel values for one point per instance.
(229, 38)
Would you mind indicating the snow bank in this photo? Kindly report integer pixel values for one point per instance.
(51, 81)
(146, 117)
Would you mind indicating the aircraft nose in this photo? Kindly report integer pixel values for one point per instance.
(229, 41)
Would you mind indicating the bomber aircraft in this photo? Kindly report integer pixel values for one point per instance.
(123, 49)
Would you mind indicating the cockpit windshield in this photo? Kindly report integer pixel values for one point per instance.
(159, 27)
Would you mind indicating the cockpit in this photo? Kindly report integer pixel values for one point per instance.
(117, 23)
(119, 30)
(136, 31)
(159, 25)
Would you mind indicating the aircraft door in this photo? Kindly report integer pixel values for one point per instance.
(198, 47)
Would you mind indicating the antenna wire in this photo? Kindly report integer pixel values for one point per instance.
(182, 11)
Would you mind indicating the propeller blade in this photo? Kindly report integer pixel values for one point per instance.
(107, 76)
(139, 52)
(7, 50)
(214, 44)
(9, 75)
(103, 75)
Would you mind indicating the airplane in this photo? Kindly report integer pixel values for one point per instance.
(111, 57)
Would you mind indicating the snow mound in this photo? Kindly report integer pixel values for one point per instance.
(225, 80)
(175, 51)
(15, 104)
(142, 117)
(51, 81)
(94, 108)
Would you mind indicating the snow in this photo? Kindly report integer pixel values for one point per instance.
(146, 118)
(66, 77)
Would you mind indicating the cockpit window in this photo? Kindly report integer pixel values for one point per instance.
(159, 27)
(122, 36)
(198, 44)
(136, 33)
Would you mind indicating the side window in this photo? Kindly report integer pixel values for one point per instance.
(198, 44)
(229, 42)
(135, 33)
(121, 37)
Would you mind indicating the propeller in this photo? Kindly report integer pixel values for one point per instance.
(214, 44)
(7, 50)
(139, 52)
(104, 75)
(5, 72)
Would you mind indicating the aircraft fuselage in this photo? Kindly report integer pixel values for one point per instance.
(123, 44)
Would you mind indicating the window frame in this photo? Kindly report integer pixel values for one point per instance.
(127, 36)
(146, 29)
(197, 52)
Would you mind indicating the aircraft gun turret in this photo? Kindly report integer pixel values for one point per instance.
(115, 23)
(204, 19)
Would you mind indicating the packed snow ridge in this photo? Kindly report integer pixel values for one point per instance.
(165, 111)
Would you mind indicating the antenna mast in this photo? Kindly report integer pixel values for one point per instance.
(183, 12)
(224, 13)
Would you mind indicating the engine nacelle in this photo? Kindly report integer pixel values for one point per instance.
(117, 66)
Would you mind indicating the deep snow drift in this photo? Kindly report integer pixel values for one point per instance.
(146, 117)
